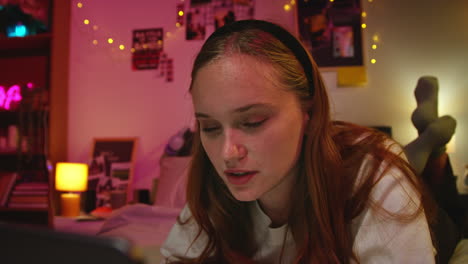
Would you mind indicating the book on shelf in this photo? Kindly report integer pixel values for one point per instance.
(29, 192)
(28, 199)
(7, 181)
(29, 195)
(23, 186)
(28, 205)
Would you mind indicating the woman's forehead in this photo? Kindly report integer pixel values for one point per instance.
(234, 81)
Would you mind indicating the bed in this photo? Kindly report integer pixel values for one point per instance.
(147, 226)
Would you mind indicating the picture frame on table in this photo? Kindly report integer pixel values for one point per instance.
(111, 170)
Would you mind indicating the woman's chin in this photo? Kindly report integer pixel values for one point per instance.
(244, 196)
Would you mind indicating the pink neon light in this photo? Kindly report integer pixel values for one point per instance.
(12, 94)
(30, 85)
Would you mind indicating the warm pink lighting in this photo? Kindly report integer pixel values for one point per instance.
(30, 85)
(13, 94)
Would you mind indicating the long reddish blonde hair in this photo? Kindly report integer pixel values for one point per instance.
(327, 197)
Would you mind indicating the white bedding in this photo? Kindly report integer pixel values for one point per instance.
(146, 226)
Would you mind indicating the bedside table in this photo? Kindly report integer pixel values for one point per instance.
(71, 225)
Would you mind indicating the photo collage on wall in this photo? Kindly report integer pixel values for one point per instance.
(213, 14)
(331, 30)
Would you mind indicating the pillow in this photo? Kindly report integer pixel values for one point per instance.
(172, 181)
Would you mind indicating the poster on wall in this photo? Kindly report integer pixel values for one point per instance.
(147, 45)
(331, 31)
(214, 14)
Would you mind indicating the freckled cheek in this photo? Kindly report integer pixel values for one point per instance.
(282, 143)
(214, 150)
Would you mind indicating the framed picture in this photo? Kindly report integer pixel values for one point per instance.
(111, 168)
(331, 31)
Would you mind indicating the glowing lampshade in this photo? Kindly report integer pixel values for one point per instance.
(71, 178)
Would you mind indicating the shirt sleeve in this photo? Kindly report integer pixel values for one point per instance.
(383, 239)
(181, 239)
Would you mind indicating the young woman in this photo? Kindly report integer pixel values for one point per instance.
(275, 180)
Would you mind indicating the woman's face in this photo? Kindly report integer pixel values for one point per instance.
(250, 127)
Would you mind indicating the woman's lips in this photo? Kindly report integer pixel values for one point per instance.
(238, 177)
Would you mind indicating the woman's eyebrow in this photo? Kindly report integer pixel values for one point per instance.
(250, 106)
(241, 109)
(201, 115)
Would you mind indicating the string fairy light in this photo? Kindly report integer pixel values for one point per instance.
(288, 6)
(87, 21)
(375, 39)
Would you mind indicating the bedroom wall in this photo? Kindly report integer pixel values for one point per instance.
(108, 99)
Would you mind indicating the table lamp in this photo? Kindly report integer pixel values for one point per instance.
(71, 178)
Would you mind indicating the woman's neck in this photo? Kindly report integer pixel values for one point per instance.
(276, 202)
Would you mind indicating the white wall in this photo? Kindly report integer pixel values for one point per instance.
(108, 99)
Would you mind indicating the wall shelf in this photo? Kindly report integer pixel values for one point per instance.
(25, 46)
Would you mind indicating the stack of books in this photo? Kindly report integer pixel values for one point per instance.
(7, 181)
(30, 195)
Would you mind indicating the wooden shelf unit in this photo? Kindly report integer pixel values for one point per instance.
(49, 55)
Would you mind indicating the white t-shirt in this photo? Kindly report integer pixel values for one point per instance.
(377, 239)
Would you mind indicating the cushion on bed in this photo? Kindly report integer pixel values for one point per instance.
(172, 180)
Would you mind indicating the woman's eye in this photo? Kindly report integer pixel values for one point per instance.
(210, 129)
(254, 124)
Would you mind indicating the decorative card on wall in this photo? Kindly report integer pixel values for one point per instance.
(331, 30)
(196, 26)
(147, 46)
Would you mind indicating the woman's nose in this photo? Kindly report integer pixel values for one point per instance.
(233, 150)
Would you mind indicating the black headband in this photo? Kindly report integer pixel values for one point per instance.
(279, 33)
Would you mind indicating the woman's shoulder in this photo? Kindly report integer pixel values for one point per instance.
(185, 240)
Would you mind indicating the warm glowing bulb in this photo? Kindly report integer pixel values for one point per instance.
(121, 47)
(293, 2)
(363, 25)
(95, 27)
(95, 42)
(181, 13)
(132, 50)
(79, 5)
(370, 1)
(373, 61)
(364, 14)
(287, 7)
(332, 0)
(375, 38)
(177, 24)
(374, 46)
(86, 21)
(110, 40)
